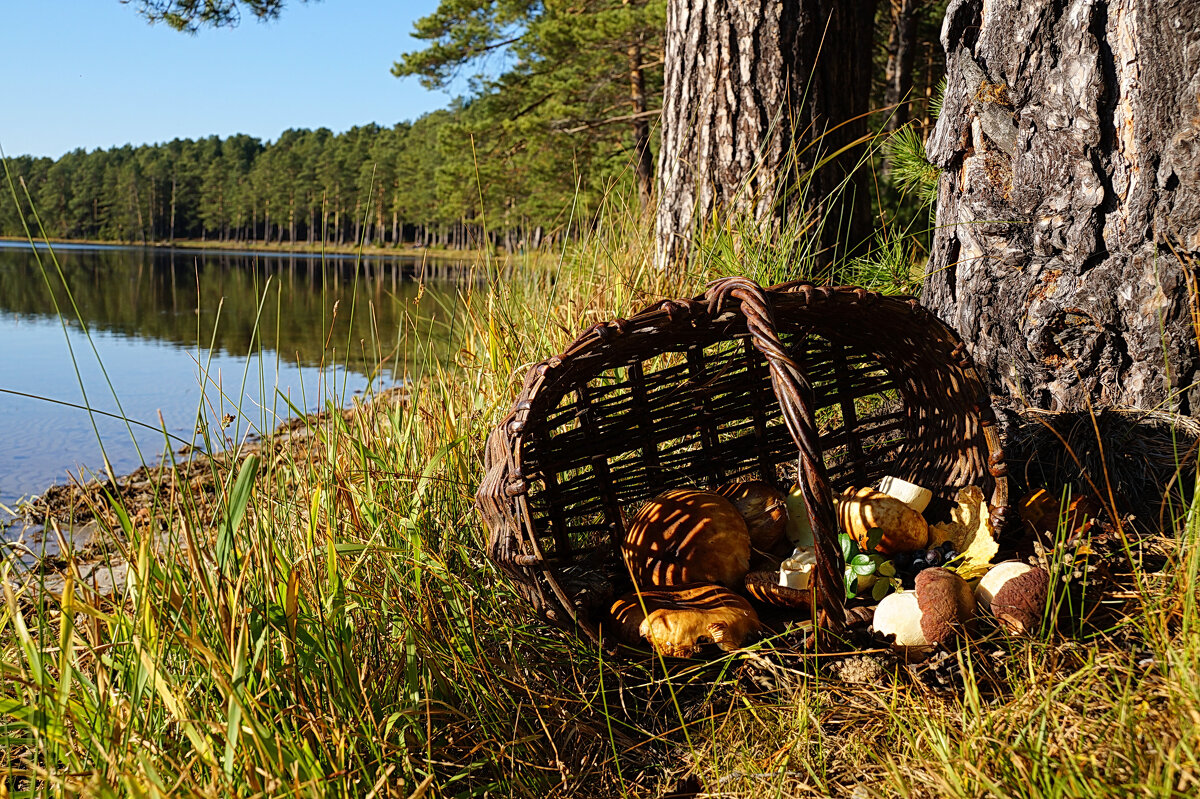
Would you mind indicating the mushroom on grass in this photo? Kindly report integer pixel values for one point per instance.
(678, 621)
(687, 536)
(1015, 593)
(932, 614)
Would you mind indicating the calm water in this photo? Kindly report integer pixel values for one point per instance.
(192, 335)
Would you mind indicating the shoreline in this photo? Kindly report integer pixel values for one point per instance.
(86, 518)
(249, 248)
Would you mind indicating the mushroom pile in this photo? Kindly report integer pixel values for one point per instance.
(687, 551)
(694, 556)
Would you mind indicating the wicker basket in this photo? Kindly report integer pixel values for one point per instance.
(828, 386)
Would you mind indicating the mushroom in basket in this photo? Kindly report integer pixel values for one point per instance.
(687, 536)
(677, 621)
(764, 509)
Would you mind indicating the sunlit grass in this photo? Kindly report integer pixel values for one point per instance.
(326, 625)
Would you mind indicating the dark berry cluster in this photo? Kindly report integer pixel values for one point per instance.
(909, 564)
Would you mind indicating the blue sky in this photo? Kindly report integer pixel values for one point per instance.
(92, 73)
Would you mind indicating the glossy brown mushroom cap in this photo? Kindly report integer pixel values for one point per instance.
(687, 536)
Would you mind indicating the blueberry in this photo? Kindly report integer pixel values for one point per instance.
(934, 557)
(919, 563)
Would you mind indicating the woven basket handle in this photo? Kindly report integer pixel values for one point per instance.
(795, 396)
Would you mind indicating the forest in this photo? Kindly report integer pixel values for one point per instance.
(528, 151)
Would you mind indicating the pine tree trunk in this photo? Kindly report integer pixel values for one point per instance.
(746, 86)
(902, 50)
(1070, 140)
(643, 159)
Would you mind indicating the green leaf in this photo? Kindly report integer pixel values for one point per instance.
(846, 544)
(886, 569)
(880, 589)
(861, 560)
(239, 498)
(874, 536)
(863, 569)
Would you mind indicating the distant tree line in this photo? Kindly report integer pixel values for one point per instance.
(533, 148)
(411, 184)
(525, 158)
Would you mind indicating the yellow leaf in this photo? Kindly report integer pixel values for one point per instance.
(970, 530)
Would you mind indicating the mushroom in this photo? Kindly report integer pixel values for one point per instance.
(859, 511)
(911, 494)
(930, 615)
(799, 525)
(797, 571)
(767, 587)
(764, 509)
(687, 536)
(1015, 593)
(677, 621)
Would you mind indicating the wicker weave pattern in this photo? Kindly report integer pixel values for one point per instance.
(737, 383)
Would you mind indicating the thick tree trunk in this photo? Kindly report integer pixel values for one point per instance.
(748, 86)
(1070, 140)
(902, 50)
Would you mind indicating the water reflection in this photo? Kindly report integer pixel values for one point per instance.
(299, 327)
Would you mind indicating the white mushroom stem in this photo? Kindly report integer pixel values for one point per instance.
(797, 571)
(899, 615)
(912, 495)
(799, 526)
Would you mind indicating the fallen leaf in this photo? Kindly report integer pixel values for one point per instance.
(970, 530)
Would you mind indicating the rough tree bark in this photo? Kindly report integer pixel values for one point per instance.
(746, 86)
(1070, 140)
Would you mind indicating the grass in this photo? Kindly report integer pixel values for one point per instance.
(324, 624)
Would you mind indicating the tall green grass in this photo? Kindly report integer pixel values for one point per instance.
(327, 625)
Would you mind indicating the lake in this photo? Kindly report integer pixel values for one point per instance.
(168, 339)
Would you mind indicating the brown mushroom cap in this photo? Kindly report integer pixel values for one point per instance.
(687, 536)
(860, 510)
(764, 509)
(1018, 600)
(946, 603)
(676, 621)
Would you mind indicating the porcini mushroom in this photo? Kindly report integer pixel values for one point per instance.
(861, 510)
(932, 614)
(799, 525)
(911, 494)
(797, 571)
(764, 509)
(678, 621)
(687, 536)
(1015, 593)
(767, 587)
